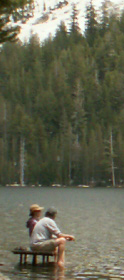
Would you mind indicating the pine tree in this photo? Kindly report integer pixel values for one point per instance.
(121, 24)
(104, 23)
(74, 17)
(91, 29)
(74, 31)
(61, 38)
(12, 11)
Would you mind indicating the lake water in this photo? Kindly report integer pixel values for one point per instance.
(94, 216)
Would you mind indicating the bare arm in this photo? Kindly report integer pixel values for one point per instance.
(67, 236)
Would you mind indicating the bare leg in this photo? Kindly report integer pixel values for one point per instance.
(61, 251)
(56, 254)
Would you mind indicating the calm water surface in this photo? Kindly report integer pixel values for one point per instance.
(94, 216)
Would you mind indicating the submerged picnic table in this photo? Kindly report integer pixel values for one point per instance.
(24, 252)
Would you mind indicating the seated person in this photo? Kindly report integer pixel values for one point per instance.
(35, 213)
(42, 236)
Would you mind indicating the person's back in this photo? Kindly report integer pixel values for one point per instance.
(44, 229)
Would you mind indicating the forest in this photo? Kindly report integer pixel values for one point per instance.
(62, 105)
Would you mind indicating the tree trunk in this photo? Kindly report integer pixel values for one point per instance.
(22, 160)
(112, 159)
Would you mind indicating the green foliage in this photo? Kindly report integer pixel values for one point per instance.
(91, 24)
(64, 98)
(11, 11)
(75, 33)
(61, 39)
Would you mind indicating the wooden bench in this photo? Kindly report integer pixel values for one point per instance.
(23, 253)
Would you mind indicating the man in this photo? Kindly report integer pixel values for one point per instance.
(42, 236)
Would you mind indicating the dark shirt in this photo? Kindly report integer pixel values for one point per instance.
(31, 224)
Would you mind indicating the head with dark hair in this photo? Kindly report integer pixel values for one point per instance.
(51, 213)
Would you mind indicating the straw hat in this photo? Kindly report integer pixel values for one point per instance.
(35, 207)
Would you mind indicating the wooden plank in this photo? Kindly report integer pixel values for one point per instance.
(34, 260)
(25, 258)
(21, 258)
(33, 253)
(24, 253)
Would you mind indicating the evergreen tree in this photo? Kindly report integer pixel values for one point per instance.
(61, 38)
(74, 31)
(104, 22)
(12, 11)
(91, 29)
(60, 105)
(121, 24)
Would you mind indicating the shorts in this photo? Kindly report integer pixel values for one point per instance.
(45, 246)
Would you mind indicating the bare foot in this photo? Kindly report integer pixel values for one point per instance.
(61, 265)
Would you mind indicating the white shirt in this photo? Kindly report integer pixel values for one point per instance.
(43, 230)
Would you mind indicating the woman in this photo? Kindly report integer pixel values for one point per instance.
(35, 213)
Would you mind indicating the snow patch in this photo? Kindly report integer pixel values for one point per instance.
(48, 15)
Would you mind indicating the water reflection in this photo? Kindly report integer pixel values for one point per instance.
(45, 271)
(94, 216)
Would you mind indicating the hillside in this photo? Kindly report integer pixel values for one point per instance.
(49, 13)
